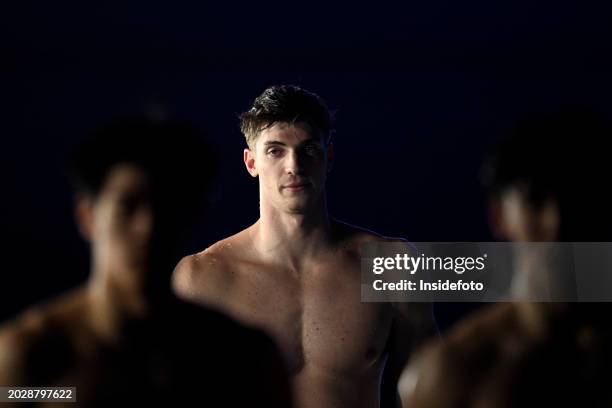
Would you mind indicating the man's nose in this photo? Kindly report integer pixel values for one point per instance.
(143, 223)
(294, 163)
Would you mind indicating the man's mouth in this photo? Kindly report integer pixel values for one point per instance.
(299, 186)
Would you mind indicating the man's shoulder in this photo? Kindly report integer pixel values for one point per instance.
(353, 238)
(211, 271)
(65, 309)
(17, 334)
(484, 330)
(47, 326)
(346, 231)
(15, 344)
(457, 361)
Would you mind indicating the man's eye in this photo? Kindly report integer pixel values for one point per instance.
(274, 152)
(311, 150)
(129, 205)
(126, 207)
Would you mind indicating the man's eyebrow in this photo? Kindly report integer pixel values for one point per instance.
(310, 140)
(273, 143)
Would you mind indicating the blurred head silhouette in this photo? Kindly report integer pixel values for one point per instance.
(547, 179)
(139, 187)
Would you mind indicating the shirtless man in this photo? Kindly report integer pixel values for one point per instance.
(532, 354)
(295, 273)
(123, 337)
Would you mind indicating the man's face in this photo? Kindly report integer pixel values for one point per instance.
(120, 220)
(291, 163)
(518, 220)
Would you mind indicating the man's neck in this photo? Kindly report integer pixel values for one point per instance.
(292, 237)
(540, 319)
(543, 272)
(114, 303)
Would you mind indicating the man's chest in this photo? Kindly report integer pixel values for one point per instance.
(316, 318)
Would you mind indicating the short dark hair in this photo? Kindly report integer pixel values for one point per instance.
(286, 104)
(173, 154)
(558, 155)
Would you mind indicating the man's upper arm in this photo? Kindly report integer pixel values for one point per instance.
(412, 325)
(436, 378)
(183, 277)
(13, 357)
(455, 365)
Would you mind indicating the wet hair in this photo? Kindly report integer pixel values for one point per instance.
(286, 104)
(561, 156)
(173, 154)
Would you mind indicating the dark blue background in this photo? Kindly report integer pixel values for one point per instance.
(421, 88)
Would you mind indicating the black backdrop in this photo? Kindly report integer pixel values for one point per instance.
(422, 89)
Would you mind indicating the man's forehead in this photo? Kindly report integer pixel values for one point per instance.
(288, 133)
(125, 177)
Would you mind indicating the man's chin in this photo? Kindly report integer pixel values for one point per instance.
(298, 204)
(297, 211)
(301, 207)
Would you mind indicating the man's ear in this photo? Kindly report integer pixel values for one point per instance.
(249, 162)
(330, 157)
(83, 215)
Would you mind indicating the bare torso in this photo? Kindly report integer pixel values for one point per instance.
(512, 355)
(166, 359)
(333, 344)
